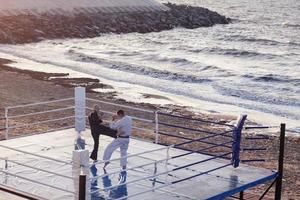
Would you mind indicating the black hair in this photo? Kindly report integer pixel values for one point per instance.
(121, 112)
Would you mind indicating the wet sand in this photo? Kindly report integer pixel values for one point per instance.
(20, 87)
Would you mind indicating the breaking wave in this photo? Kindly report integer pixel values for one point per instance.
(137, 69)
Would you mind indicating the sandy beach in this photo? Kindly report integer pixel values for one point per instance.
(19, 87)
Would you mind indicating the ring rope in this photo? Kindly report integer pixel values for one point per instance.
(162, 173)
(193, 119)
(40, 183)
(36, 168)
(37, 155)
(191, 129)
(201, 139)
(185, 138)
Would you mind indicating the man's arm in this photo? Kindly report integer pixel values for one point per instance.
(114, 124)
(100, 116)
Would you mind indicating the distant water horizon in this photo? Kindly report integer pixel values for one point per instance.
(249, 66)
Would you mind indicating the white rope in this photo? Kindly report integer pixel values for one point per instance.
(133, 181)
(39, 169)
(22, 192)
(135, 118)
(42, 112)
(40, 183)
(168, 191)
(137, 180)
(135, 127)
(41, 132)
(39, 103)
(114, 104)
(140, 179)
(41, 122)
(142, 129)
(128, 169)
(145, 191)
(33, 154)
(132, 155)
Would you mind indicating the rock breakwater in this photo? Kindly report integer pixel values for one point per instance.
(16, 29)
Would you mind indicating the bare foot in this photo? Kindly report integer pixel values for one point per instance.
(105, 165)
(104, 170)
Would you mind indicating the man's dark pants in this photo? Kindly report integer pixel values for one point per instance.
(104, 130)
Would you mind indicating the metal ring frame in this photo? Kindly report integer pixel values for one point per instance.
(156, 122)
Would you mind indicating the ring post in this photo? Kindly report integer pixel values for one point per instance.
(237, 137)
(278, 189)
(82, 187)
(242, 195)
(80, 155)
(6, 124)
(80, 121)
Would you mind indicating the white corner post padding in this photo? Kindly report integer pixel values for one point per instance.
(81, 158)
(80, 105)
(81, 167)
(80, 112)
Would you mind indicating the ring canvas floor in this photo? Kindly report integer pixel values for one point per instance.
(59, 145)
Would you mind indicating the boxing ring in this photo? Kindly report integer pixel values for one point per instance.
(178, 158)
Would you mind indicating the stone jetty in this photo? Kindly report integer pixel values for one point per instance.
(26, 28)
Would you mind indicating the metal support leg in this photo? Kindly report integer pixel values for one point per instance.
(237, 137)
(278, 188)
(267, 190)
(6, 123)
(82, 187)
(156, 128)
(241, 195)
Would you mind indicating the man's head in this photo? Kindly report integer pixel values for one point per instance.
(121, 113)
(96, 108)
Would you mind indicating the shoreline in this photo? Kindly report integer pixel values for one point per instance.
(24, 86)
(95, 85)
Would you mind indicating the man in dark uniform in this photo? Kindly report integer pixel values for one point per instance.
(97, 128)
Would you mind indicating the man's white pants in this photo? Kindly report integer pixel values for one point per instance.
(121, 143)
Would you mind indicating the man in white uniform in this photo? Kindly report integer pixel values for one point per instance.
(123, 125)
